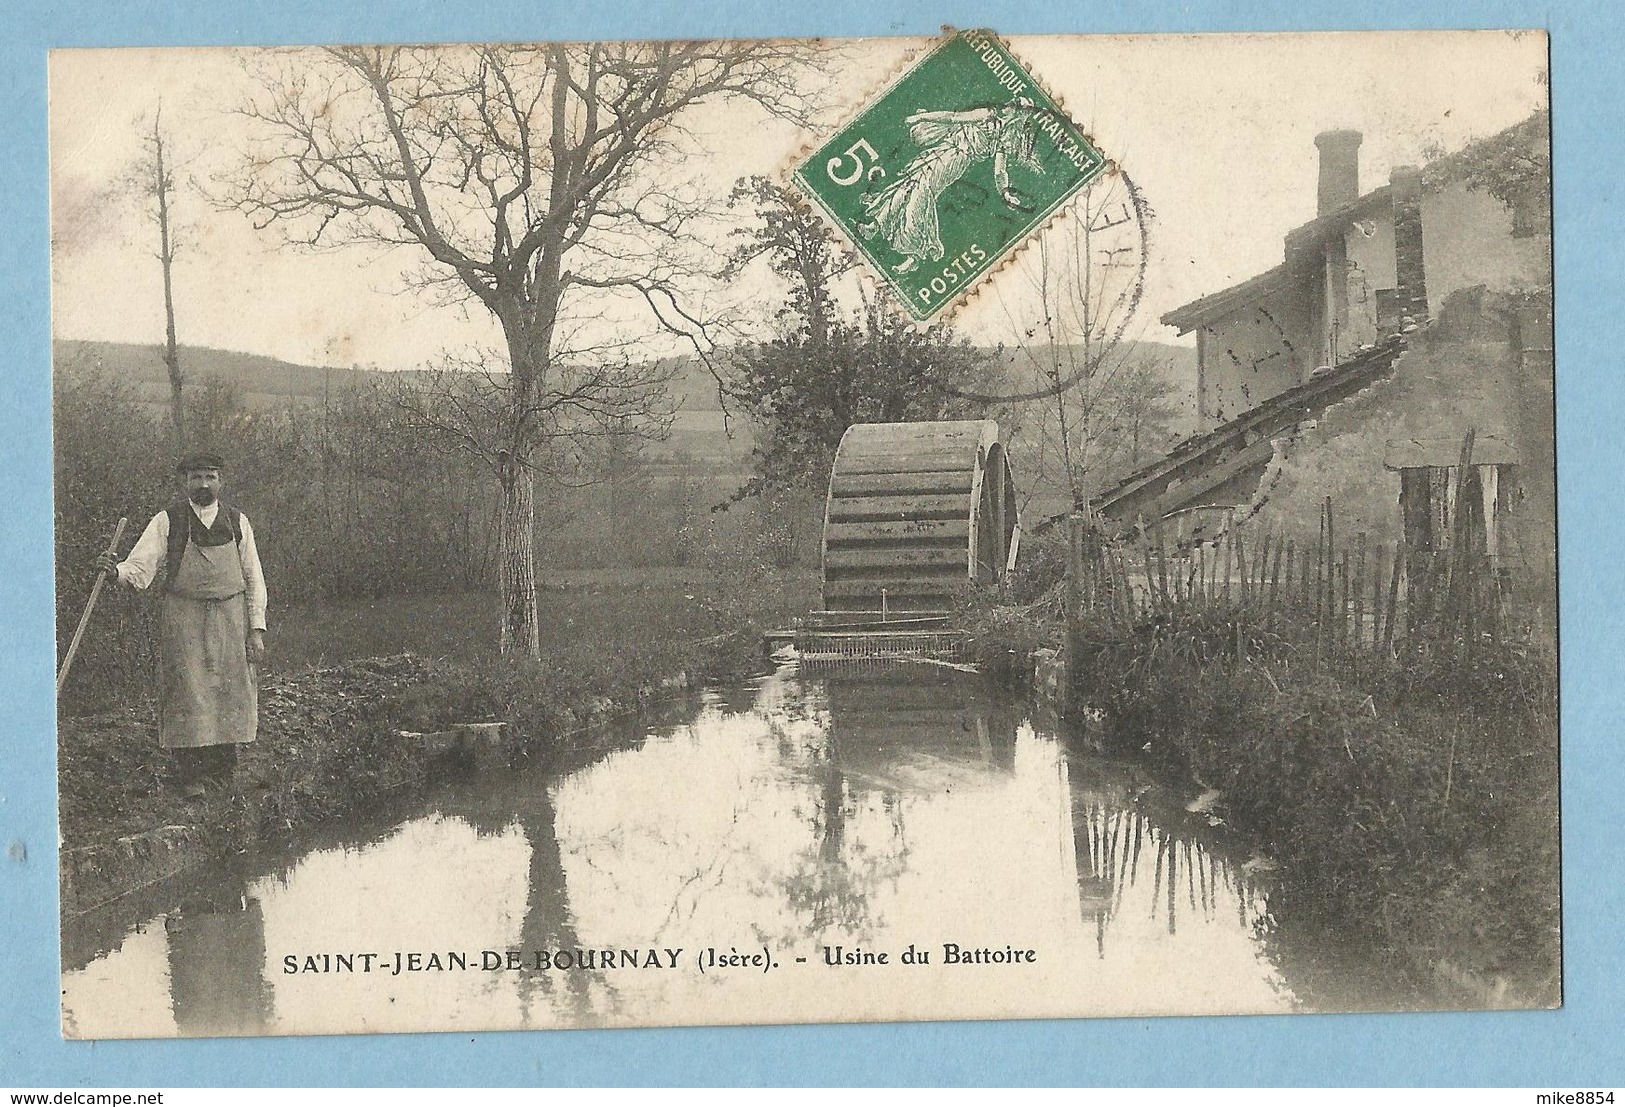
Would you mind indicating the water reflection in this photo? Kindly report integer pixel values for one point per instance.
(871, 815)
(216, 964)
(876, 739)
(1108, 843)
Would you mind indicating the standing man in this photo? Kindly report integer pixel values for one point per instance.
(211, 624)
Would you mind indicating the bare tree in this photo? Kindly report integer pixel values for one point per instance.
(523, 175)
(155, 181)
(1095, 393)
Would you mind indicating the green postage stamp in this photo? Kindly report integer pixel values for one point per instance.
(949, 171)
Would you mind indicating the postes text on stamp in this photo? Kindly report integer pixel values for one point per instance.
(951, 169)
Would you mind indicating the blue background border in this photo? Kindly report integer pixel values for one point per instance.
(1578, 1046)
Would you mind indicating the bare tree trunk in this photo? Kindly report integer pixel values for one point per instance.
(560, 139)
(166, 258)
(1058, 368)
(516, 559)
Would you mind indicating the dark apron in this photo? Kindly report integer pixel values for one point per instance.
(209, 693)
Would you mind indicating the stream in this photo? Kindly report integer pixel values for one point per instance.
(750, 862)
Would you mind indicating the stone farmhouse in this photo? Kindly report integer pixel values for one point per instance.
(1398, 320)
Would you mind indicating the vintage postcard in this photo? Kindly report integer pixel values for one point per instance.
(557, 535)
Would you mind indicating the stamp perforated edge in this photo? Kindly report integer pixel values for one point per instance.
(854, 254)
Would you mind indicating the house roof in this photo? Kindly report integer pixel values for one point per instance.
(1299, 243)
(1334, 222)
(1531, 133)
(1216, 304)
(1202, 462)
(1168, 484)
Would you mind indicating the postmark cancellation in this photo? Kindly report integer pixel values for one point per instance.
(950, 171)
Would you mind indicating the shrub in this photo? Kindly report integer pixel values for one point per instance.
(1417, 801)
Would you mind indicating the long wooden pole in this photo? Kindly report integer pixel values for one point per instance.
(90, 605)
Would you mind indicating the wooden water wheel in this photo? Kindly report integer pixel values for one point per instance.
(914, 511)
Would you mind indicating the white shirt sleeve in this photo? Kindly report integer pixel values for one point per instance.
(253, 576)
(140, 569)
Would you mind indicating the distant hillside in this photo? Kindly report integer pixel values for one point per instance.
(264, 382)
(699, 447)
(1178, 364)
(699, 444)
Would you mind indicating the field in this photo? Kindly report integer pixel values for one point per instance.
(599, 609)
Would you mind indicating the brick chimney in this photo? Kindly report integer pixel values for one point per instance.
(1410, 270)
(1339, 169)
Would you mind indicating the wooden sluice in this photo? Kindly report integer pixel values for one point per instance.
(915, 513)
(837, 638)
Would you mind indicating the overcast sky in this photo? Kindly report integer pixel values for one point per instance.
(1217, 131)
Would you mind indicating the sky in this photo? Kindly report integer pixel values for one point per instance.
(1217, 131)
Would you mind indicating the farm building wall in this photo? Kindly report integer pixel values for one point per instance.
(1368, 246)
(1259, 351)
(1484, 364)
(1470, 238)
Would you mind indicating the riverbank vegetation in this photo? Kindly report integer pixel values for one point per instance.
(1404, 777)
(1416, 802)
(340, 691)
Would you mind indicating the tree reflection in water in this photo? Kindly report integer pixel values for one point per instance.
(493, 803)
(1112, 829)
(828, 885)
(883, 727)
(548, 921)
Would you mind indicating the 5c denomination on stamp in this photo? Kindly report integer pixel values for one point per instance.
(949, 171)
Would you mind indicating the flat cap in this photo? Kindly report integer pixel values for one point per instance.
(199, 459)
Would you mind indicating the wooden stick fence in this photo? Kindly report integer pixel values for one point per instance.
(1333, 601)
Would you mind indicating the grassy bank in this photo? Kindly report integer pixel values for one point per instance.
(1413, 801)
(341, 688)
(573, 606)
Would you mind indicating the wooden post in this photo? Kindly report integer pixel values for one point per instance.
(1377, 595)
(1242, 567)
(1456, 618)
(1128, 592)
(1320, 553)
(1102, 589)
(1419, 565)
(1377, 578)
(1343, 605)
(1331, 575)
(1290, 552)
(1162, 563)
(1229, 555)
(1274, 581)
(1263, 568)
(1393, 600)
(1359, 592)
(1150, 577)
